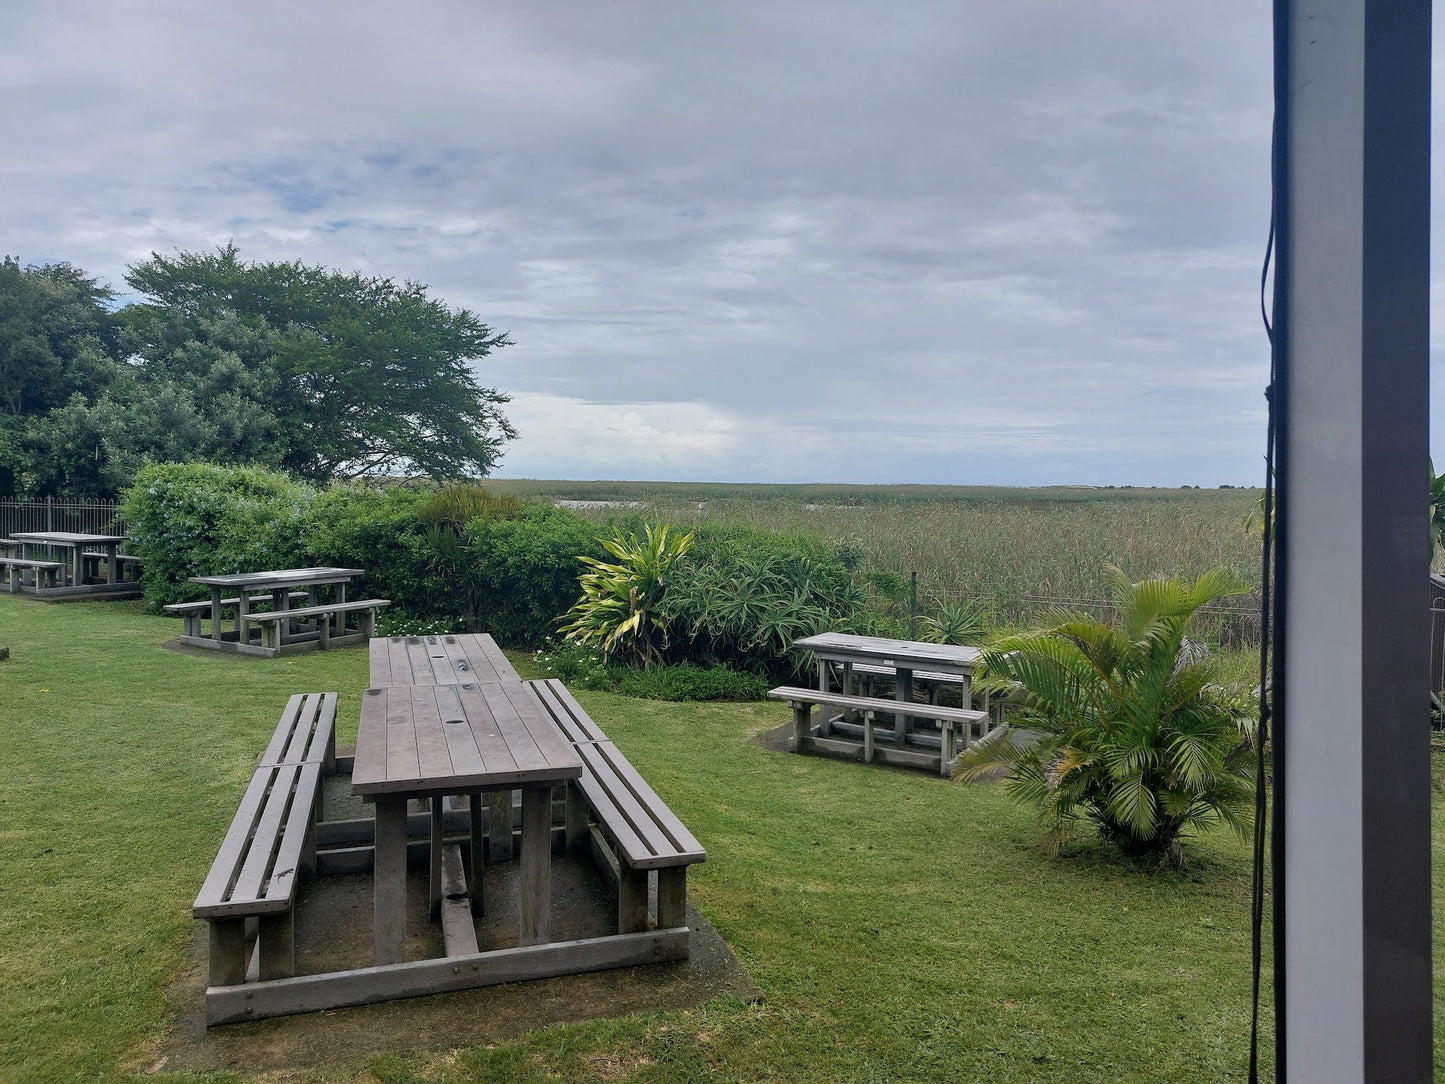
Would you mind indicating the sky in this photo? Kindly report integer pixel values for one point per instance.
(956, 242)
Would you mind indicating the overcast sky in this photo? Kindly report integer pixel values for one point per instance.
(972, 242)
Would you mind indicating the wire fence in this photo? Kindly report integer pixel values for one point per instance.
(52, 514)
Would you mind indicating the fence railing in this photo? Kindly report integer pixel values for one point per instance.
(53, 514)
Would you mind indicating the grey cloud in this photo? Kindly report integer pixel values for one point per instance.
(935, 241)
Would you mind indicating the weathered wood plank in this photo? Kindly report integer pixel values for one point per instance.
(312, 993)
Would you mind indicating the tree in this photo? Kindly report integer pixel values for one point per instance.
(363, 375)
(1123, 724)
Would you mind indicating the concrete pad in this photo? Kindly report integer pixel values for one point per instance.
(333, 932)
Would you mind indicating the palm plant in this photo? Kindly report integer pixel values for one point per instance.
(1122, 724)
(620, 611)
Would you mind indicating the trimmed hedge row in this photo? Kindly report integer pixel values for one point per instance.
(192, 519)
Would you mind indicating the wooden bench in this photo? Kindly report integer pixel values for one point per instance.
(272, 623)
(630, 830)
(17, 566)
(193, 612)
(306, 733)
(123, 561)
(955, 724)
(271, 844)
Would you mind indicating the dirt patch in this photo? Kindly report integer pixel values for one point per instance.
(333, 931)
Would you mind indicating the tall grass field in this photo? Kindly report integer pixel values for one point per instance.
(1014, 550)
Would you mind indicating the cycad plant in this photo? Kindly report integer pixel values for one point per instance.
(620, 608)
(1122, 724)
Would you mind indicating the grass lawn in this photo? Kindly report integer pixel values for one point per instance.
(901, 927)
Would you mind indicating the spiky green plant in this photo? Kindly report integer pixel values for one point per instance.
(1122, 724)
(960, 622)
(620, 608)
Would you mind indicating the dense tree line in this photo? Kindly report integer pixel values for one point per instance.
(322, 374)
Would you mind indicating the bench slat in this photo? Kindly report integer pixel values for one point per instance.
(216, 889)
(299, 819)
(304, 733)
(796, 695)
(204, 606)
(877, 669)
(25, 562)
(252, 879)
(646, 831)
(326, 608)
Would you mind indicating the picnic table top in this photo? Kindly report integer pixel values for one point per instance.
(451, 659)
(451, 739)
(900, 654)
(285, 577)
(69, 538)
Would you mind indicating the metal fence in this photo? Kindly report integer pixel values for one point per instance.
(52, 514)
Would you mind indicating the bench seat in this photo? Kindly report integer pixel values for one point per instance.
(631, 830)
(955, 724)
(271, 622)
(193, 613)
(270, 845)
(306, 733)
(16, 567)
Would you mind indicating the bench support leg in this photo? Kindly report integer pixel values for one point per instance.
(867, 737)
(536, 864)
(389, 874)
(227, 954)
(478, 855)
(671, 897)
(499, 830)
(576, 818)
(945, 734)
(368, 624)
(801, 713)
(632, 901)
(278, 946)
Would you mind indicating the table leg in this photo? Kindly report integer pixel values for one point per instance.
(434, 857)
(243, 627)
(479, 863)
(389, 882)
(283, 603)
(536, 864)
(902, 724)
(77, 565)
(824, 711)
(217, 633)
(111, 575)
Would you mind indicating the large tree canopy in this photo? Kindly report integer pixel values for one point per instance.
(317, 372)
(362, 374)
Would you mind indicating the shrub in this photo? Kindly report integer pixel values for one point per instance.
(1126, 725)
(194, 519)
(621, 608)
(398, 623)
(581, 667)
(525, 569)
(356, 526)
(744, 595)
(688, 681)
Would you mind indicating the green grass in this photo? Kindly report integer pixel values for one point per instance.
(901, 927)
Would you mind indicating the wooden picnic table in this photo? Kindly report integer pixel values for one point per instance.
(451, 659)
(433, 741)
(278, 585)
(74, 544)
(904, 657)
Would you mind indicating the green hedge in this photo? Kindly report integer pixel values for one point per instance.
(739, 598)
(194, 519)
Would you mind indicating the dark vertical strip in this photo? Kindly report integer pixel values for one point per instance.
(1395, 351)
(1279, 402)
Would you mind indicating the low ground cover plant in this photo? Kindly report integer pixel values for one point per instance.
(1122, 725)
